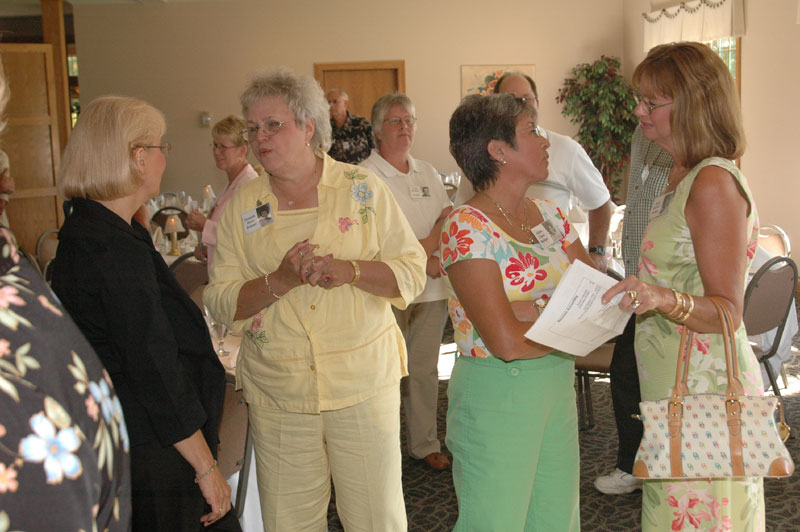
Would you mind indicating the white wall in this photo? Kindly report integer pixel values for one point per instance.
(770, 77)
(188, 57)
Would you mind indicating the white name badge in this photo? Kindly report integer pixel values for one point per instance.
(420, 192)
(660, 205)
(546, 233)
(257, 218)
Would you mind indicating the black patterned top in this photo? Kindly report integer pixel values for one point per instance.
(64, 462)
(353, 142)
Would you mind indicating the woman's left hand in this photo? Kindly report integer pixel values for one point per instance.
(217, 494)
(335, 272)
(638, 297)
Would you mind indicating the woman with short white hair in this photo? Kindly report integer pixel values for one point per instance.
(419, 191)
(310, 259)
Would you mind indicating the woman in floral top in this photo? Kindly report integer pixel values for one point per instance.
(699, 243)
(511, 420)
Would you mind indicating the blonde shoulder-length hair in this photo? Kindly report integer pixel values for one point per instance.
(705, 118)
(98, 161)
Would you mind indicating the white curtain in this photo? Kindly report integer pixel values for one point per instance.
(698, 20)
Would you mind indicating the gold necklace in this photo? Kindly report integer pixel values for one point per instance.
(525, 226)
(678, 177)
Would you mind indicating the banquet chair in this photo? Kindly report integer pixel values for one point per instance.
(189, 273)
(160, 219)
(46, 247)
(775, 240)
(767, 301)
(595, 364)
(235, 445)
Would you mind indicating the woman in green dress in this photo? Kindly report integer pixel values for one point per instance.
(699, 243)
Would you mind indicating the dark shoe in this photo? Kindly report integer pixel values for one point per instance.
(437, 461)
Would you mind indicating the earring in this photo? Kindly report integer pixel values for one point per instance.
(308, 144)
(503, 162)
(141, 162)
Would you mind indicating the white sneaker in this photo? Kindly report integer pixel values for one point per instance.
(617, 482)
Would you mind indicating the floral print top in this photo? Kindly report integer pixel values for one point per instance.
(353, 142)
(529, 271)
(64, 462)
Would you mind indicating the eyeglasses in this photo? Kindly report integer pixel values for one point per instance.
(396, 121)
(538, 131)
(221, 147)
(650, 106)
(269, 128)
(165, 148)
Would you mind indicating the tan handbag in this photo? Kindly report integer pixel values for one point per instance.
(711, 435)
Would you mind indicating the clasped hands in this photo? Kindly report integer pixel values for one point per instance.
(301, 265)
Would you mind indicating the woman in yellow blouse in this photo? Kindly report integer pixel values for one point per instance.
(310, 257)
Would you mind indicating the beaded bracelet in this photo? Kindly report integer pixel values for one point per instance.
(198, 478)
(357, 270)
(269, 288)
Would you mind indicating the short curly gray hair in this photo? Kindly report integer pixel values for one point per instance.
(302, 94)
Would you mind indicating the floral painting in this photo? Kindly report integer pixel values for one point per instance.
(480, 79)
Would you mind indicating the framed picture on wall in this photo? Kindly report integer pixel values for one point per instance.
(480, 79)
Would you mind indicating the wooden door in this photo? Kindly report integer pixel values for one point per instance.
(364, 82)
(31, 141)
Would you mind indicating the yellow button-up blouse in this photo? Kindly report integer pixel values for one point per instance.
(318, 349)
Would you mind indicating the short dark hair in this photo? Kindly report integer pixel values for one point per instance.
(520, 74)
(478, 120)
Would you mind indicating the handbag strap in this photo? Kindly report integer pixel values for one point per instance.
(733, 392)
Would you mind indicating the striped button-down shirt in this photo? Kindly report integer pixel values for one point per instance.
(650, 167)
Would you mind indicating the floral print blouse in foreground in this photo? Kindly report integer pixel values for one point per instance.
(63, 442)
(529, 271)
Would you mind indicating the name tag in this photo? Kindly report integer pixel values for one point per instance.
(419, 192)
(546, 233)
(257, 218)
(660, 205)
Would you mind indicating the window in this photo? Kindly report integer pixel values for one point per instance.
(730, 50)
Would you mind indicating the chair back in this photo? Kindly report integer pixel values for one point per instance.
(189, 273)
(775, 240)
(235, 445)
(161, 215)
(46, 248)
(769, 297)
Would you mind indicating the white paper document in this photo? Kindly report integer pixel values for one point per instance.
(574, 320)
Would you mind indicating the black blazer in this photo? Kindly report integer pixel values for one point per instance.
(146, 330)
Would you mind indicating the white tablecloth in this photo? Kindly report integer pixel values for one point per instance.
(251, 516)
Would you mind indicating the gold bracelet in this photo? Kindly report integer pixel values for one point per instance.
(357, 272)
(677, 304)
(685, 316)
(269, 288)
(198, 478)
(681, 307)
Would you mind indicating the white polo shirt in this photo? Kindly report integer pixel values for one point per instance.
(422, 197)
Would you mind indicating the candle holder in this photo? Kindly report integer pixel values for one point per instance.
(172, 227)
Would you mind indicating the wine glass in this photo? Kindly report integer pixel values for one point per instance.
(218, 332)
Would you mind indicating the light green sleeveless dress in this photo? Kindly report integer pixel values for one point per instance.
(668, 259)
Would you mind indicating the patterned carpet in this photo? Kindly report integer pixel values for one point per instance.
(431, 502)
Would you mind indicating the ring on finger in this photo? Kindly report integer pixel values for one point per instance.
(302, 254)
(308, 273)
(632, 294)
(635, 304)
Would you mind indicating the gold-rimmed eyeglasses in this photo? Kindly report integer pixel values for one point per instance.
(648, 104)
(269, 128)
(165, 148)
(221, 147)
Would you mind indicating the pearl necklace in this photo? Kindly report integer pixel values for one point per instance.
(525, 226)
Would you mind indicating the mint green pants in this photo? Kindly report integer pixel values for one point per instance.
(513, 430)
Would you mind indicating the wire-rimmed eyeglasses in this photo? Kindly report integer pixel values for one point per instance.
(165, 148)
(269, 128)
(648, 104)
(396, 121)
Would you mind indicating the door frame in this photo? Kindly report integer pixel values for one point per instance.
(398, 66)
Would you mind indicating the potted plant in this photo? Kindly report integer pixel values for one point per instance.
(599, 99)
